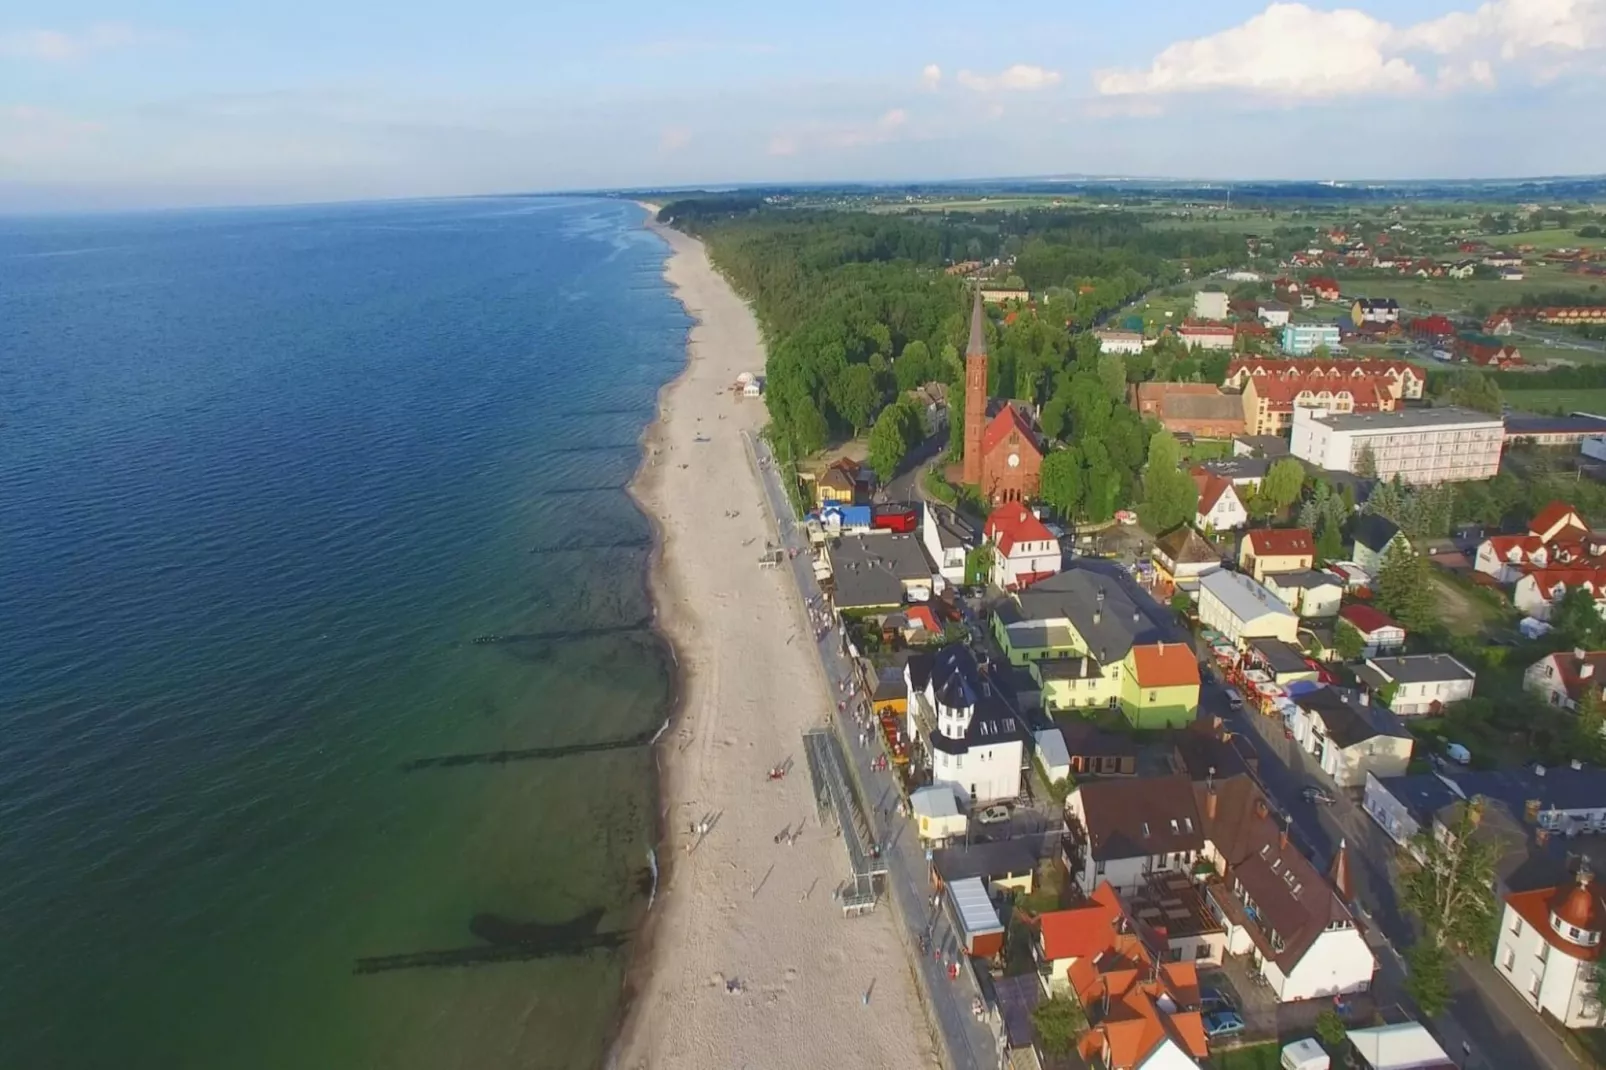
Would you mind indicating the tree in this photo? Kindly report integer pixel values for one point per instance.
(1476, 391)
(979, 564)
(1366, 462)
(1578, 619)
(1330, 1030)
(913, 366)
(856, 397)
(1059, 1022)
(1181, 604)
(1112, 373)
(1329, 543)
(1321, 352)
(1063, 482)
(1169, 494)
(1427, 977)
(1405, 587)
(1348, 641)
(896, 431)
(1590, 718)
(1283, 483)
(1450, 890)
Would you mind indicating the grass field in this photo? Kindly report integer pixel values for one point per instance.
(1452, 295)
(1250, 1057)
(1557, 400)
(1549, 238)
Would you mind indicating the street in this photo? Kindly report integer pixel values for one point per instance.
(1485, 1012)
(970, 1044)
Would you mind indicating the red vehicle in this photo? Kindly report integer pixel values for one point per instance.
(898, 517)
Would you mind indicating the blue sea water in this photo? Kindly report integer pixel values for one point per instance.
(264, 476)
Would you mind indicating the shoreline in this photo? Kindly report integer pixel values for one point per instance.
(743, 958)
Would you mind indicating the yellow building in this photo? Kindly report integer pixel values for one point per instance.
(1091, 640)
(1276, 550)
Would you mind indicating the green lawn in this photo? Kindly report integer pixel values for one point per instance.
(1250, 1057)
(1207, 449)
(1448, 295)
(1549, 238)
(1557, 400)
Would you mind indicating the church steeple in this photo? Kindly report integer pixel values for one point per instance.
(1338, 873)
(975, 392)
(978, 333)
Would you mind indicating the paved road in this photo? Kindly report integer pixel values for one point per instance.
(906, 485)
(969, 1044)
(1486, 1014)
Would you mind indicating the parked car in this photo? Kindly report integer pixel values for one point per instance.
(993, 815)
(1212, 1000)
(1314, 794)
(1234, 699)
(1220, 1024)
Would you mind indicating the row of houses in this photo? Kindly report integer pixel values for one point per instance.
(1558, 553)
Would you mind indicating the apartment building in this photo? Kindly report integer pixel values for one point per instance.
(1445, 445)
(1301, 339)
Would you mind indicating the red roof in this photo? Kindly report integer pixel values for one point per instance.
(1082, 931)
(923, 616)
(1211, 488)
(1165, 665)
(1366, 619)
(1554, 516)
(1523, 546)
(1013, 523)
(1580, 900)
(1435, 325)
(1009, 419)
(1281, 542)
(1569, 669)
(1191, 327)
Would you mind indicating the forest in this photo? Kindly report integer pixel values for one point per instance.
(857, 309)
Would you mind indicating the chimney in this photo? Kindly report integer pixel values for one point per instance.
(1585, 671)
(1260, 807)
(1210, 800)
(1580, 653)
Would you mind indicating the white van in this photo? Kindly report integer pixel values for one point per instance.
(1305, 1054)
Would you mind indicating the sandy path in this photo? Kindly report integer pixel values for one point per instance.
(740, 906)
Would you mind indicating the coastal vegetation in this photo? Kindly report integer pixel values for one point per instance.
(859, 309)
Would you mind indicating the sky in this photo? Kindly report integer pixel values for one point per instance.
(111, 104)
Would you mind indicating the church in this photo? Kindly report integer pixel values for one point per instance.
(1002, 454)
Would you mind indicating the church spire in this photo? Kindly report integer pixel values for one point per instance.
(978, 335)
(1338, 873)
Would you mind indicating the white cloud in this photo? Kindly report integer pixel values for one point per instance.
(673, 138)
(1294, 51)
(931, 77)
(57, 46)
(842, 135)
(1022, 77)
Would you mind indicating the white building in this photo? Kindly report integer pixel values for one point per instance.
(1241, 609)
(1024, 550)
(1301, 339)
(1538, 592)
(1402, 1046)
(1441, 445)
(1349, 737)
(1273, 313)
(1564, 677)
(948, 537)
(1548, 948)
(1207, 335)
(1221, 507)
(1210, 305)
(969, 736)
(1378, 631)
(1308, 592)
(1123, 342)
(1423, 683)
(937, 815)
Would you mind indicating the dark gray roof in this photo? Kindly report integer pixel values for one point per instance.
(1304, 578)
(1110, 613)
(1522, 423)
(1241, 467)
(953, 529)
(958, 681)
(1422, 794)
(1074, 668)
(1421, 668)
(1559, 787)
(978, 334)
(1378, 302)
(1374, 532)
(1347, 721)
(1268, 446)
(1018, 997)
(870, 570)
(989, 861)
(1281, 656)
(1405, 419)
(1140, 817)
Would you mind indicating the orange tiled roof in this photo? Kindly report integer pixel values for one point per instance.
(1281, 542)
(1165, 665)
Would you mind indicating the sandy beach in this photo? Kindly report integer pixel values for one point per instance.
(750, 962)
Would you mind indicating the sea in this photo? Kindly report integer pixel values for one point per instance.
(326, 667)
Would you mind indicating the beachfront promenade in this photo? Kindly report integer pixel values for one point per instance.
(970, 1044)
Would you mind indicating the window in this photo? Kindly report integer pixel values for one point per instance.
(1098, 868)
(1202, 951)
(1175, 954)
(1533, 985)
(1516, 924)
(1508, 960)
(1153, 695)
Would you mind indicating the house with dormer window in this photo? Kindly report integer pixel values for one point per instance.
(962, 728)
(1549, 949)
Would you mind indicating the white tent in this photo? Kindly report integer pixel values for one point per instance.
(1406, 1046)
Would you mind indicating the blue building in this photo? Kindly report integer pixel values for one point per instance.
(1301, 339)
